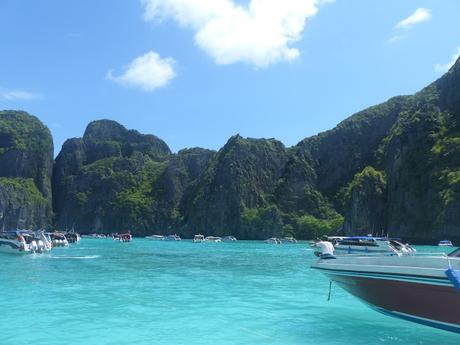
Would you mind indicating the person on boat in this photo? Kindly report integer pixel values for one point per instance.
(326, 248)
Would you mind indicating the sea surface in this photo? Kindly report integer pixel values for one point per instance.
(152, 292)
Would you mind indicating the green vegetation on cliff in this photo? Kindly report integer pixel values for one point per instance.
(392, 168)
(26, 156)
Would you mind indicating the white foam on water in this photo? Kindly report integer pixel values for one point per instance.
(85, 257)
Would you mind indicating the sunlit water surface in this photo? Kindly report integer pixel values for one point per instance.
(149, 292)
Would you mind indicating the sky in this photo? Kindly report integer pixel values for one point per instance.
(195, 72)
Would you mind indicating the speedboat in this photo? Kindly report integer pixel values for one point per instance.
(198, 238)
(288, 240)
(44, 242)
(126, 237)
(445, 243)
(372, 245)
(172, 238)
(58, 239)
(418, 288)
(229, 239)
(17, 243)
(213, 239)
(273, 240)
(72, 237)
(155, 237)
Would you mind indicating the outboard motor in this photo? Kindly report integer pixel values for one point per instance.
(46, 241)
(41, 246)
(33, 246)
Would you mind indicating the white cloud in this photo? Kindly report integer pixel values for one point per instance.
(420, 15)
(18, 95)
(445, 67)
(259, 33)
(147, 72)
(396, 38)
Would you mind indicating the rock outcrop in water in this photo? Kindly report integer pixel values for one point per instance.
(26, 159)
(390, 169)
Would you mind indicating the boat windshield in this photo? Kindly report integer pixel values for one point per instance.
(357, 241)
(455, 253)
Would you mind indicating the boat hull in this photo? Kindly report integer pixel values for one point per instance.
(12, 249)
(431, 301)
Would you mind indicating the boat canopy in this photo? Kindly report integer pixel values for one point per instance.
(370, 238)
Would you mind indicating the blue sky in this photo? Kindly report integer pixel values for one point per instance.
(195, 72)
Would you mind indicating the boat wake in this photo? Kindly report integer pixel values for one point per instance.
(85, 257)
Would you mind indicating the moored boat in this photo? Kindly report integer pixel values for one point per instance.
(445, 243)
(58, 239)
(229, 239)
(13, 242)
(418, 288)
(198, 238)
(173, 238)
(213, 239)
(155, 237)
(72, 237)
(22, 242)
(291, 240)
(126, 237)
(273, 240)
(45, 244)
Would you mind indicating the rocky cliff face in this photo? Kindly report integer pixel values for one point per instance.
(104, 181)
(242, 175)
(390, 169)
(26, 156)
(419, 157)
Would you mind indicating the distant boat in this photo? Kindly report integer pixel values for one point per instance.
(198, 238)
(273, 240)
(288, 240)
(229, 239)
(445, 243)
(126, 237)
(156, 237)
(95, 236)
(72, 237)
(58, 239)
(172, 238)
(17, 242)
(213, 239)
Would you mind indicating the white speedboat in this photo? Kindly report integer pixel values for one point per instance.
(273, 240)
(445, 243)
(229, 239)
(58, 239)
(172, 238)
(213, 239)
(155, 237)
(418, 288)
(370, 245)
(288, 240)
(44, 242)
(17, 242)
(198, 238)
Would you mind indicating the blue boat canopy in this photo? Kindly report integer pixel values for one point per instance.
(371, 238)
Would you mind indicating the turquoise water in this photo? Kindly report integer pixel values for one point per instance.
(148, 292)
